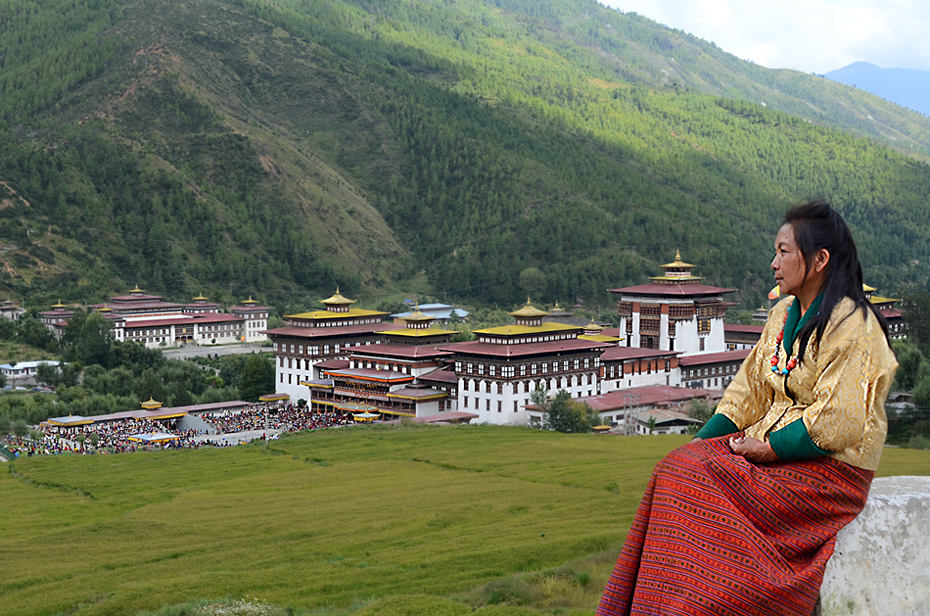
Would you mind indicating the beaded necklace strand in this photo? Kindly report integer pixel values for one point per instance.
(792, 362)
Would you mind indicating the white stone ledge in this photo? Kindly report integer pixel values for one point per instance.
(881, 565)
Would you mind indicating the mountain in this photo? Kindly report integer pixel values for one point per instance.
(905, 87)
(472, 150)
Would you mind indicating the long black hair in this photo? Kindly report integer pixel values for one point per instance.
(817, 225)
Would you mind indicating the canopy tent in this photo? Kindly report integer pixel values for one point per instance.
(365, 417)
(274, 397)
(154, 437)
(69, 421)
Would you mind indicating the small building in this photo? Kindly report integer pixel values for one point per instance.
(11, 311)
(666, 421)
(711, 370)
(254, 320)
(625, 368)
(24, 369)
(624, 408)
(897, 328)
(739, 337)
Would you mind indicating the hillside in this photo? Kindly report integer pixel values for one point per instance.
(487, 150)
(905, 87)
(328, 521)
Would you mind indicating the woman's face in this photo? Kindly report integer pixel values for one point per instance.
(789, 266)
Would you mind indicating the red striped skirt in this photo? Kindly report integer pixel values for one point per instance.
(717, 535)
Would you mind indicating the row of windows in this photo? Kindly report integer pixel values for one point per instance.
(527, 386)
(509, 371)
(638, 367)
(527, 340)
(314, 349)
(711, 370)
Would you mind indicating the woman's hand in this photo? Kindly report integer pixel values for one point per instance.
(752, 449)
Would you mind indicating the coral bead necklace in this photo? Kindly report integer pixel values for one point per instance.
(792, 362)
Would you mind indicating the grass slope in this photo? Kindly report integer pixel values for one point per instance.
(332, 521)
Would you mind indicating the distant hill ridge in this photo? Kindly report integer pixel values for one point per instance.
(908, 88)
(476, 151)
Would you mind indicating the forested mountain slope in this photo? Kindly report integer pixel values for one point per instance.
(502, 148)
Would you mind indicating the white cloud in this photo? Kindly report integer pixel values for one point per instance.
(807, 35)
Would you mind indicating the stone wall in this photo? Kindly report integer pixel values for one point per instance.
(881, 565)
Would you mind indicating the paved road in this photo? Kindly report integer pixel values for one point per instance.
(192, 350)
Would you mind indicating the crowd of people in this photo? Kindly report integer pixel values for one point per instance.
(114, 436)
(289, 418)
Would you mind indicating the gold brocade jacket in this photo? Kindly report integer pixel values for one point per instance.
(839, 389)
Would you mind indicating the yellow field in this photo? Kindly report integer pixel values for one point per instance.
(360, 520)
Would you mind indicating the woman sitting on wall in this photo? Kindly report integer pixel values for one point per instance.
(743, 519)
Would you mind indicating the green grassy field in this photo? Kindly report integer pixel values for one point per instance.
(370, 521)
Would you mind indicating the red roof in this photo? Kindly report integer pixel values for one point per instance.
(891, 314)
(406, 351)
(290, 331)
(743, 329)
(521, 350)
(440, 375)
(674, 290)
(135, 298)
(415, 392)
(616, 353)
(217, 317)
(713, 358)
(646, 396)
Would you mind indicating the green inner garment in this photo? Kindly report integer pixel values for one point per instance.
(795, 322)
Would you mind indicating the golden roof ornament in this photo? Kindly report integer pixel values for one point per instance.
(528, 311)
(677, 262)
(337, 300)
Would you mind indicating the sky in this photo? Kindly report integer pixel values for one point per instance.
(813, 36)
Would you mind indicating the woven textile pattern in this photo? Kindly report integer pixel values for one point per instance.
(717, 535)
